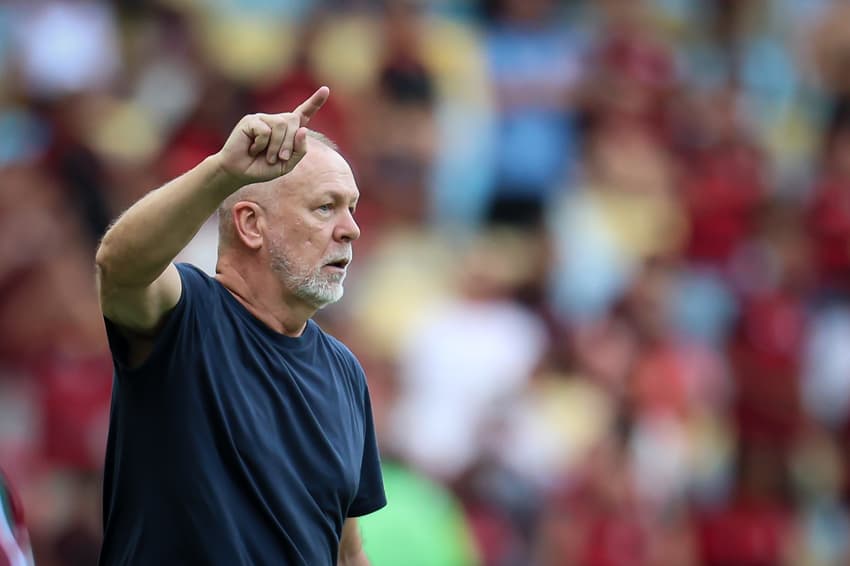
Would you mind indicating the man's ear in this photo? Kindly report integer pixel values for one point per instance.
(248, 223)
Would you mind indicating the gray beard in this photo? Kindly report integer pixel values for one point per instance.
(312, 287)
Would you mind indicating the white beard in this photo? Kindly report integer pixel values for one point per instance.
(314, 286)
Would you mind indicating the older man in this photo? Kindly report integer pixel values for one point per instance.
(240, 432)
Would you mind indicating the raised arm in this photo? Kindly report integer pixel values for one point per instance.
(136, 278)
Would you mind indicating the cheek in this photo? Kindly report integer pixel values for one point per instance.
(318, 239)
(309, 238)
(308, 252)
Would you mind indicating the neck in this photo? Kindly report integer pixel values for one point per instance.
(263, 295)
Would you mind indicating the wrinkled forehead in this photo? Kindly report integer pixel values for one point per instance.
(321, 171)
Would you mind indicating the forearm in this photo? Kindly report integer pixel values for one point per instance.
(357, 559)
(351, 545)
(147, 237)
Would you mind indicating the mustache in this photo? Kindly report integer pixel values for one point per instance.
(344, 257)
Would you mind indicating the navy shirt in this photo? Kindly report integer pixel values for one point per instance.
(233, 444)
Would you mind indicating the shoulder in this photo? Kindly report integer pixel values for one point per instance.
(199, 288)
(194, 276)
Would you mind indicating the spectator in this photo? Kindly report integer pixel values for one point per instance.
(15, 547)
(535, 65)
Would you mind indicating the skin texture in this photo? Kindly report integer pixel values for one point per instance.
(288, 207)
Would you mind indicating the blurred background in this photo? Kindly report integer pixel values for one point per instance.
(602, 293)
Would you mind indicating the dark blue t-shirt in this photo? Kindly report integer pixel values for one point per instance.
(233, 444)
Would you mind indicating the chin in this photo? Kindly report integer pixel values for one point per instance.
(321, 300)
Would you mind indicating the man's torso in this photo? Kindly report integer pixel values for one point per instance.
(231, 444)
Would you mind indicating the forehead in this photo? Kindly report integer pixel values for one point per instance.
(321, 172)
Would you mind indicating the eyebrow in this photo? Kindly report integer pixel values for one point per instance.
(338, 196)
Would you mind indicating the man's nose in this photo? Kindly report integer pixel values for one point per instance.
(348, 230)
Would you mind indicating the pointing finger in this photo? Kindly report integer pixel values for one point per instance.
(310, 106)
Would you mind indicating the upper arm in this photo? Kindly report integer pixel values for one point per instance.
(351, 545)
(140, 308)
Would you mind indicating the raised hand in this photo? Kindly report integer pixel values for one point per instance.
(264, 146)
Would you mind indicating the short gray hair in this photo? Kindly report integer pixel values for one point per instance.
(323, 139)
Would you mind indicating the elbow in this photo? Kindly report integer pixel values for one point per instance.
(101, 257)
(101, 268)
(108, 264)
(102, 260)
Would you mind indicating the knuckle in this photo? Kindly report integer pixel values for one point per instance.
(280, 126)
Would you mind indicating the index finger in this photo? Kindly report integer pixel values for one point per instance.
(310, 106)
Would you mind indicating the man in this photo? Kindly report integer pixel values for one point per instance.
(240, 432)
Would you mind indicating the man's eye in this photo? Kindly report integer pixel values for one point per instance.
(326, 207)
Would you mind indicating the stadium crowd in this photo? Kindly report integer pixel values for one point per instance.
(602, 292)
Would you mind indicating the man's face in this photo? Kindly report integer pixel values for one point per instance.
(312, 227)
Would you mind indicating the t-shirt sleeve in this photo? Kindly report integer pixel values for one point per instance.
(175, 322)
(370, 493)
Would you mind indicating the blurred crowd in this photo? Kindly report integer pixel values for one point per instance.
(602, 293)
